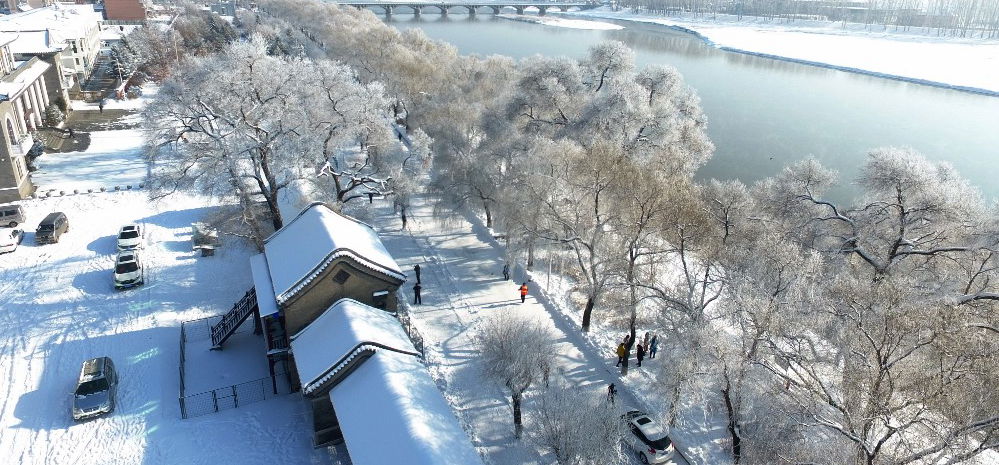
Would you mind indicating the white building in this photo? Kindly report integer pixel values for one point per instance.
(72, 29)
(23, 98)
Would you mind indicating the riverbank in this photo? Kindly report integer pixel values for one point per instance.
(562, 22)
(970, 65)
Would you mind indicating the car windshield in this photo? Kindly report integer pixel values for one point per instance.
(127, 267)
(92, 387)
(128, 235)
(660, 444)
(45, 227)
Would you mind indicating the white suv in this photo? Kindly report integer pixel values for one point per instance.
(129, 237)
(128, 270)
(647, 438)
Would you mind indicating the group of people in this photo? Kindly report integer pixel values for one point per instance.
(649, 345)
(418, 287)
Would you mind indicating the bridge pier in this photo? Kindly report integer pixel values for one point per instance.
(417, 10)
(520, 10)
(542, 10)
(471, 10)
(443, 9)
(388, 9)
(496, 9)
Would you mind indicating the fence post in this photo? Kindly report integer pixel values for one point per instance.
(235, 398)
(215, 401)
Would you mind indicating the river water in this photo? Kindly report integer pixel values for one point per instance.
(762, 113)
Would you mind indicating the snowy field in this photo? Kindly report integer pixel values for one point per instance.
(970, 64)
(58, 308)
(113, 159)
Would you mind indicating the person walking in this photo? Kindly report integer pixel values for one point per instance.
(70, 132)
(416, 269)
(506, 271)
(417, 300)
(100, 105)
(654, 346)
(640, 353)
(371, 197)
(523, 292)
(403, 217)
(611, 392)
(620, 354)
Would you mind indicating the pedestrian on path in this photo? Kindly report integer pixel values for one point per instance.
(645, 341)
(417, 300)
(523, 292)
(70, 132)
(416, 269)
(506, 271)
(624, 363)
(403, 217)
(654, 346)
(100, 105)
(640, 353)
(371, 197)
(611, 392)
(621, 350)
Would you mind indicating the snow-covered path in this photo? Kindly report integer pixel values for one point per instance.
(462, 285)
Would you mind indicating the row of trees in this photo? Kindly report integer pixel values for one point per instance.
(965, 18)
(829, 333)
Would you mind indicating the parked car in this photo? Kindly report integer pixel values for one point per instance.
(52, 228)
(130, 237)
(11, 215)
(10, 239)
(647, 438)
(96, 389)
(128, 270)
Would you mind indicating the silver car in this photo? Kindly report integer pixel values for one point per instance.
(95, 390)
(128, 270)
(10, 239)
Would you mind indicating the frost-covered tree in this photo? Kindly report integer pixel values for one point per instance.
(578, 426)
(516, 352)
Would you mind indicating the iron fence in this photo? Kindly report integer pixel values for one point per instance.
(234, 396)
(407, 324)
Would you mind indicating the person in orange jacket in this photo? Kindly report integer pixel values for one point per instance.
(523, 292)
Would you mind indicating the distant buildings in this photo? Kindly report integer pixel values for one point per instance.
(124, 10)
(69, 34)
(24, 5)
(23, 98)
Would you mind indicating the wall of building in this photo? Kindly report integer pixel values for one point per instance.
(15, 184)
(124, 10)
(324, 291)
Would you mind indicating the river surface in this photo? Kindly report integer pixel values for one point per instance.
(763, 113)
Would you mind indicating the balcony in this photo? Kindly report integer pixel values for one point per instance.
(22, 146)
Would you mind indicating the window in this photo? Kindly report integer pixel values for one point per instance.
(11, 135)
(341, 277)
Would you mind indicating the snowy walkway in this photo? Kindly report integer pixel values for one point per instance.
(462, 285)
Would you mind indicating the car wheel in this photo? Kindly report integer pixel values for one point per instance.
(643, 458)
(12, 224)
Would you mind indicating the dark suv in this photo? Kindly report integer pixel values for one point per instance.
(96, 389)
(51, 228)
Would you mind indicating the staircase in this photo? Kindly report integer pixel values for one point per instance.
(230, 321)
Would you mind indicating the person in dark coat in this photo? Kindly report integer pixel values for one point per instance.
(654, 346)
(611, 391)
(416, 269)
(403, 217)
(417, 300)
(506, 271)
(523, 292)
(640, 353)
(100, 105)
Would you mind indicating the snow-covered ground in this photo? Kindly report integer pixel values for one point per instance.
(112, 159)
(916, 55)
(563, 22)
(58, 308)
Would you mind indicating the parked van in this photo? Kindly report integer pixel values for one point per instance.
(11, 215)
(51, 228)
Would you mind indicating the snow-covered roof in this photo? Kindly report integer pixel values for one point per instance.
(262, 285)
(14, 83)
(307, 244)
(35, 42)
(69, 21)
(343, 331)
(390, 411)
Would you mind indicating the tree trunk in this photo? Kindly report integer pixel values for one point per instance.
(489, 213)
(530, 255)
(733, 425)
(674, 404)
(586, 314)
(518, 427)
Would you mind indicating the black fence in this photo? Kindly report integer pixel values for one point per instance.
(234, 396)
(225, 397)
(407, 324)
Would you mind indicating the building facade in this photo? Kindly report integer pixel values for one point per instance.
(23, 98)
(76, 26)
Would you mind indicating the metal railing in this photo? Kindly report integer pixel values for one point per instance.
(407, 325)
(233, 396)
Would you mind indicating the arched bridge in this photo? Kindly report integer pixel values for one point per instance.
(471, 7)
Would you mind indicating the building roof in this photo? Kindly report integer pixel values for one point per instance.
(298, 252)
(390, 411)
(346, 330)
(262, 284)
(14, 83)
(69, 21)
(36, 42)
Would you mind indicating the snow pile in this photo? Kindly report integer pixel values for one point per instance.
(971, 65)
(112, 159)
(563, 22)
